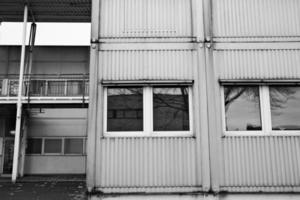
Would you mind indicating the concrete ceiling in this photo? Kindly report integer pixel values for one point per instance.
(46, 10)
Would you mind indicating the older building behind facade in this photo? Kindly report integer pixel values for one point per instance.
(191, 99)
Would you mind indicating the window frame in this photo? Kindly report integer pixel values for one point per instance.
(148, 115)
(265, 114)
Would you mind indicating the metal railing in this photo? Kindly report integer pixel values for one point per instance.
(64, 85)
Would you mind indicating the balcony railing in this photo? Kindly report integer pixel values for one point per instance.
(46, 86)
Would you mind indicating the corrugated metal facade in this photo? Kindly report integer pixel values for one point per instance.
(148, 64)
(148, 162)
(260, 161)
(257, 64)
(145, 18)
(241, 164)
(133, 164)
(256, 18)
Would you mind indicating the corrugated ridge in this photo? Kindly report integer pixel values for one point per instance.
(145, 18)
(148, 162)
(261, 161)
(256, 18)
(154, 64)
(257, 64)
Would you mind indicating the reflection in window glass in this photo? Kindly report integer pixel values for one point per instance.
(171, 109)
(52, 146)
(74, 146)
(34, 146)
(123, 108)
(242, 108)
(285, 108)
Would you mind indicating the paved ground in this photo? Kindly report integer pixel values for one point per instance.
(43, 190)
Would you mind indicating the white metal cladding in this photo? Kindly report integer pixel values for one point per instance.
(257, 64)
(148, 162)
(145, 18)
(256, 18)
(260, 161)
(148, 64)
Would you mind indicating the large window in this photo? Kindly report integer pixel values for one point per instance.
(55, 146)
(144, 111)
(261, 110)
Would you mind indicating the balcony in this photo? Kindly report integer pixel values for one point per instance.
(39, 88)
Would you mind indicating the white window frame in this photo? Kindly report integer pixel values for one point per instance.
(148, 116)
(265, 115)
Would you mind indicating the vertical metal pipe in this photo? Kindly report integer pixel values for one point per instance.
(19, 103)
(93, 152)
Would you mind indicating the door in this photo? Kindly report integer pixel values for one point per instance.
(8, 155)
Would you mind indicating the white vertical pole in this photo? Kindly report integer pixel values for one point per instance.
(19, 103)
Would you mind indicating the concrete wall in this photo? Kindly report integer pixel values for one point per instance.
(47, 60)
(57, 123)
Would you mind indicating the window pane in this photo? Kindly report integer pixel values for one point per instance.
(242, 108)
(123, 108)
(285, 108)
(73, 146)
(171, 109)
(52, 146)
(34, 146)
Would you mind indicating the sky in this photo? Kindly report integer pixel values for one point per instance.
(49, 34)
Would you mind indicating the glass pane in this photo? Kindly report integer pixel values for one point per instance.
(73, 146)
(242, 108)
(34, 146)
(123, 108)
(171, 109)
(56, 88)
(52, 146)
(285, 108)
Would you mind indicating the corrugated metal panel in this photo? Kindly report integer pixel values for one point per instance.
(256, 18)
(147, 162)
(257, 64)
(145, 18)
(151, 64)
(260, 161)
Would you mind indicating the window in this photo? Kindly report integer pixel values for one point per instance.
(144, 111)
(261, 110)
(285, 108)
(242, 108)
(73, 146)
(123, 105)
(56, 146)
(53, 146)
(34, 146)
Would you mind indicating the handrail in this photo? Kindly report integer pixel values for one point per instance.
(39, 86)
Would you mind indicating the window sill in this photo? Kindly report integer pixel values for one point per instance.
(260, 133)
(153, 134)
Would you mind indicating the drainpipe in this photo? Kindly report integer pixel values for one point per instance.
(19, 102)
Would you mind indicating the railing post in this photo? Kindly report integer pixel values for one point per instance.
(19, 102)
